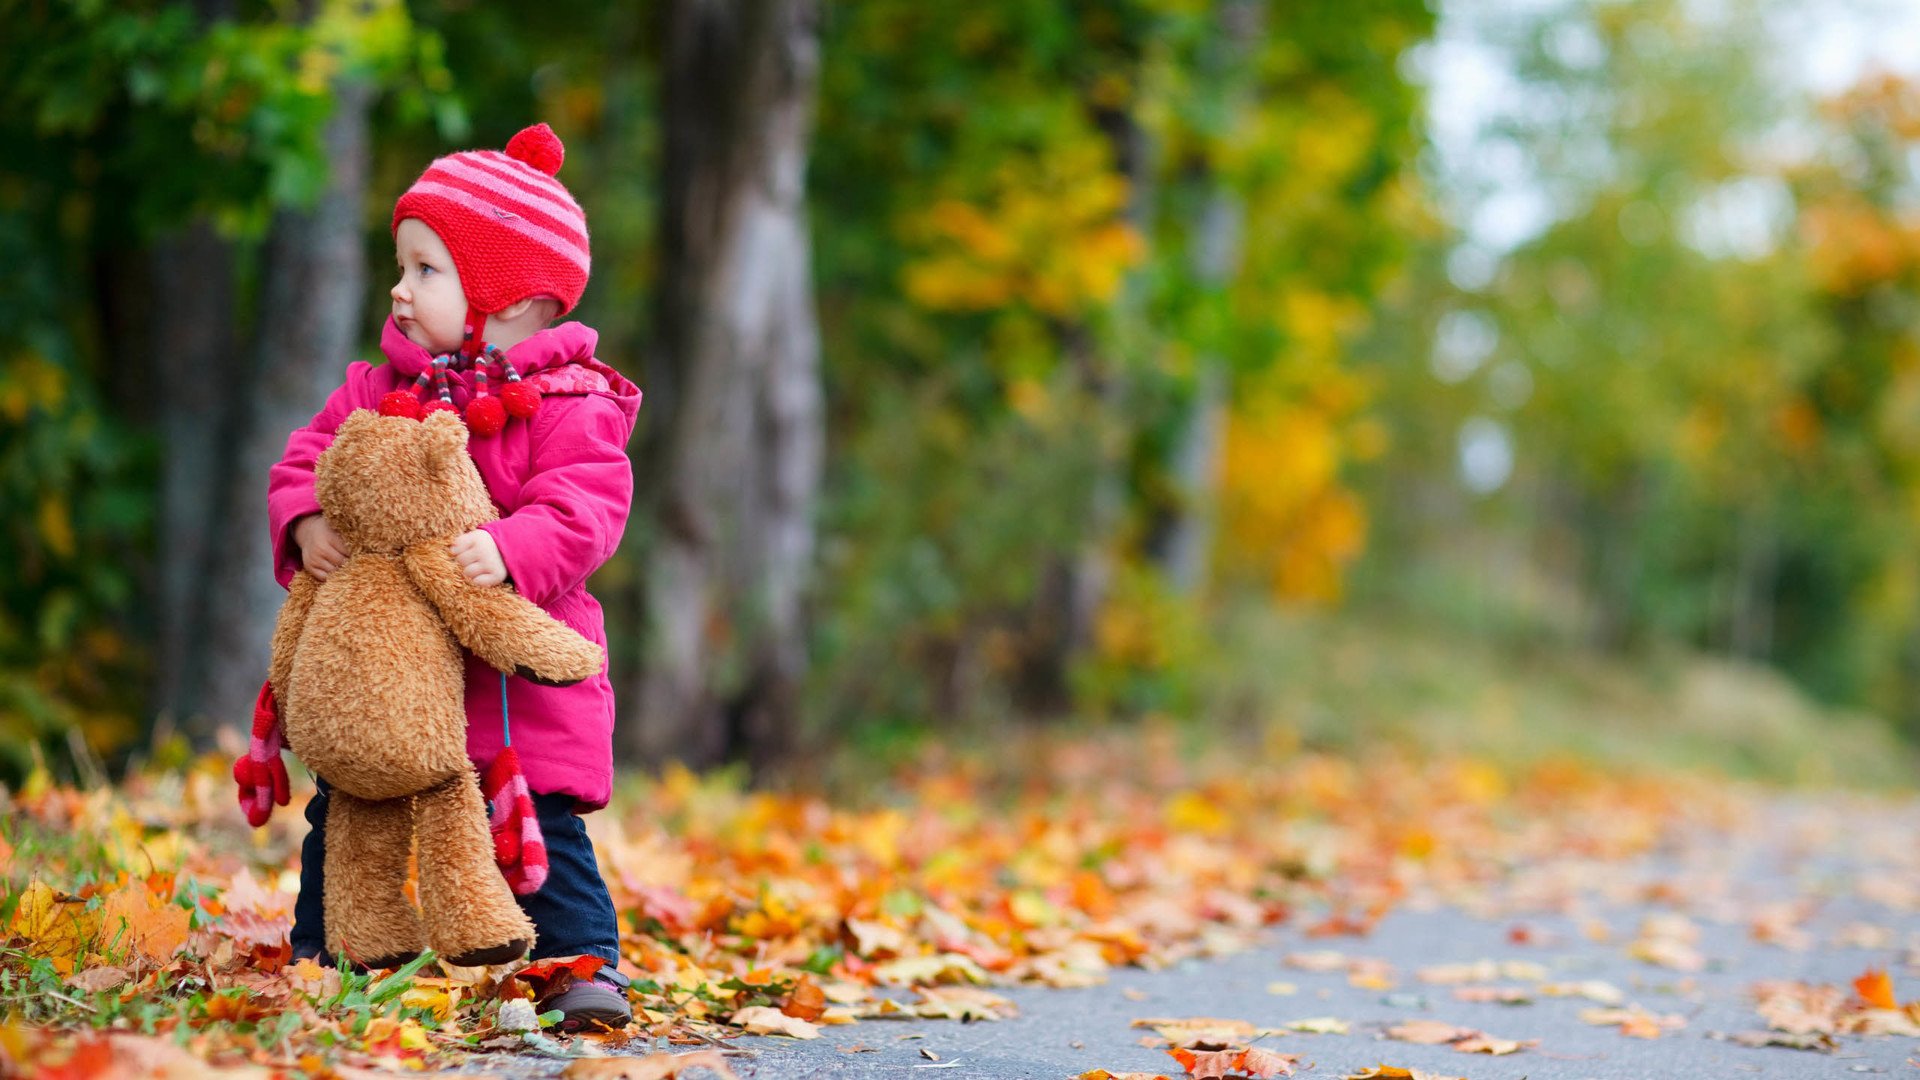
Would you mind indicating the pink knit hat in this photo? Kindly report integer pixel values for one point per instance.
(513, 229)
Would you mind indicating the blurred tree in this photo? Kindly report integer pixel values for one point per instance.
(155, 142)
(1032, 317)
(735, 470)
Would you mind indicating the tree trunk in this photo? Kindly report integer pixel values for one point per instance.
(736, 465)
(1186, 538)
(313, 289)
(195, 371)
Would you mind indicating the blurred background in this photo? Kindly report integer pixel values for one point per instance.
(1510, 379)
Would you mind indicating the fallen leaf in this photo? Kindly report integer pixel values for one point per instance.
(1318, 960)
(913, 970)
(1394, 1072)
(1876, 989)
(962, 1003)
(1814, 1040)
(765, 1020)
(1493, 995)
(1206, 1064)
(96, 979)
(140, 921)
(1428, 1032)
(1483, 1043)
(1319, 1025)
(807, 1001)
(1201, 1031)
(1258, 1061)
(650, 1067)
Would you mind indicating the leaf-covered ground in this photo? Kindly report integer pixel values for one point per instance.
(146, 926)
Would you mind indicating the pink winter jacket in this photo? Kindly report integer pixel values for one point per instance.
(563, 485)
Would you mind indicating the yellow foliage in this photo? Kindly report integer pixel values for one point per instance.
(1046, 232)
(1284, 511)
(30, 382)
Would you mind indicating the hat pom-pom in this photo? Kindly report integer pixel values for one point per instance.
(539, 147)
(486, 416)
(400, 403)
(521, 400)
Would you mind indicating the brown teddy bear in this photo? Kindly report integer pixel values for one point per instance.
(369, 678)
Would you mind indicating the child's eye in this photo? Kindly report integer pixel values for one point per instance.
(425, 269)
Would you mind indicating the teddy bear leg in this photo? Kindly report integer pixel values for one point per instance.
(368, 916)
(471, 915)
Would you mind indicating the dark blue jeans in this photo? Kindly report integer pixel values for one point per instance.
(572, 913)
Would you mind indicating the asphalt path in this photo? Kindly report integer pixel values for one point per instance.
(1814, 891)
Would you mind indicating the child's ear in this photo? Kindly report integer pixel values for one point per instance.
(445, 435)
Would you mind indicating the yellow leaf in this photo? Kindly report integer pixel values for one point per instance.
(56, 929)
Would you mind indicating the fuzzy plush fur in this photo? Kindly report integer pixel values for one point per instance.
(370, 677)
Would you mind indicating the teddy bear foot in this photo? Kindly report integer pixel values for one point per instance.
(388, 962)
(497, 954)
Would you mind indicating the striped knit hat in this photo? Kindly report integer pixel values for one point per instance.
(513, 229)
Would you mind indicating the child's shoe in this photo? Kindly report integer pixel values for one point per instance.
(601, 1000)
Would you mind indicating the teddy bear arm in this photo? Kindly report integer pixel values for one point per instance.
(286, 630)
(500, 626)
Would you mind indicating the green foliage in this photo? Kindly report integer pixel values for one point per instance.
(122, 122)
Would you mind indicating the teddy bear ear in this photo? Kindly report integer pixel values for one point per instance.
(446, 436)
(357, 419)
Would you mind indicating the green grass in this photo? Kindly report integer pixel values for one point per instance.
(1350, 682)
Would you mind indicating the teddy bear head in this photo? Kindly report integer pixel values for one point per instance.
(390, 481)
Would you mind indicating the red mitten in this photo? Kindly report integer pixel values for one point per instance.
(518, 847)
(261, 774)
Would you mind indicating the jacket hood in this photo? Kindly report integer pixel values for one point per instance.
(557, 360)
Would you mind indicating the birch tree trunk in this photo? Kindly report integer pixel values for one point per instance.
(313, 290)
(736, 464)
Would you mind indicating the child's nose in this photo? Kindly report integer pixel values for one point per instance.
(399, 291)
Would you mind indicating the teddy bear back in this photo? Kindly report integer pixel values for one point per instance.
(389, 481)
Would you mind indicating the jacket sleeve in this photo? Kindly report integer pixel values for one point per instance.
(290, 482)
(575, 503)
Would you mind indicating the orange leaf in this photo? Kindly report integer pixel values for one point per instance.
(1206, 1064)
(807, 1001)
(1876, 989)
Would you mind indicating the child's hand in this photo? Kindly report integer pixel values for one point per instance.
(479, 557)
(322, 551)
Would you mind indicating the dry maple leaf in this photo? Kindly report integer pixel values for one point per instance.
(650, 1067)
(1201, 1031)
(1429, 1032)
(962, 1003)
(1395, 1072)
(1482, 1043)
(766, 1020)
(1818, 1041)
(1102, 1074)
(807, 1001)
(1206, 1064)
(1258, 1061)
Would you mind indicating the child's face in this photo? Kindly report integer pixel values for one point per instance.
(427, 300)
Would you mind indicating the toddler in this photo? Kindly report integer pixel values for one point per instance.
(491, 249)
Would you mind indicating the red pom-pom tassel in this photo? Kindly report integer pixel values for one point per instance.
(400, 403)
(437, 405)
(486, 416)
(539, 147)
(521, 400)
